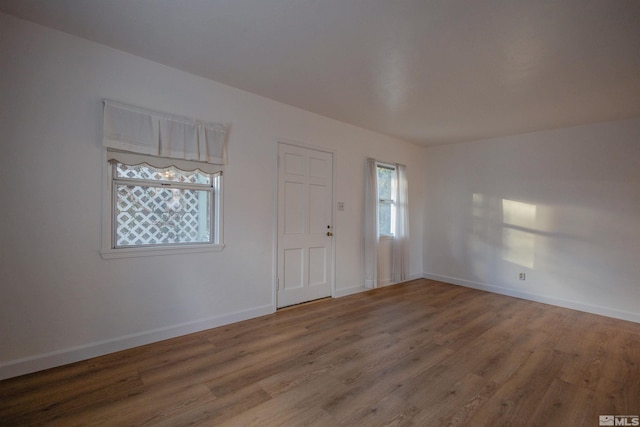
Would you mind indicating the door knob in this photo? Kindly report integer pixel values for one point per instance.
(329, 233)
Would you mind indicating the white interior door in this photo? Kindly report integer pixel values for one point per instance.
(305, 230)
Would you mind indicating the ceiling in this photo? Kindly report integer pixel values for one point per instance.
(426, 71)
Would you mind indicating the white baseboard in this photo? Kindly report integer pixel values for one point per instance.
(26, 365)
(343, 292)
(574, 305)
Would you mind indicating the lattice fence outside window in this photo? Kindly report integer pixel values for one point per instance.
(156, 206)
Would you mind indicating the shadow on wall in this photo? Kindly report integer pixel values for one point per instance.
(510, 236)
(518, 223)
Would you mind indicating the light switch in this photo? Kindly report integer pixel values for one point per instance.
(340, 206)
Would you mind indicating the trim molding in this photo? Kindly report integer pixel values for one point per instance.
(26, 365)
(574, 305)
(343, 292)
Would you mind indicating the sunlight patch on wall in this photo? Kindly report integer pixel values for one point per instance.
(518, 238)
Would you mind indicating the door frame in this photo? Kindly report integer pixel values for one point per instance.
(274, 267)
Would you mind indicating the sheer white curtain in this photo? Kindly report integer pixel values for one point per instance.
(400, 245)
(371, 225)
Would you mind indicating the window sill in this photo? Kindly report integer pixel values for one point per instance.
(158, 251)
(386, 237)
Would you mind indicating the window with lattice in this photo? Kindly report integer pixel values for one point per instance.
(154, 206)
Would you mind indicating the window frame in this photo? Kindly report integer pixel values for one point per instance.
(109, 248)
(390, 202)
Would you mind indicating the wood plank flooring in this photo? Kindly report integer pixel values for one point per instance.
(423, 353)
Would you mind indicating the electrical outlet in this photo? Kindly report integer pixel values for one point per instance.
(522, 276)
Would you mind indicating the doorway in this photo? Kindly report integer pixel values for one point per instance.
(305, 224)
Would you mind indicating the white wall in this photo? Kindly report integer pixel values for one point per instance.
(60, 301)
(562, 206)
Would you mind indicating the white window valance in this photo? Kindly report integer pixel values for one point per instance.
(143, 131)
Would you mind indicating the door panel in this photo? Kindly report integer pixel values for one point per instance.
(294, 164)
(318, 209)
(318, 168)
(317, 266)
(293, 268)
(294, 222)
(305, 197)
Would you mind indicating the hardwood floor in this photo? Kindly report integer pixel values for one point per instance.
(423, 353)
